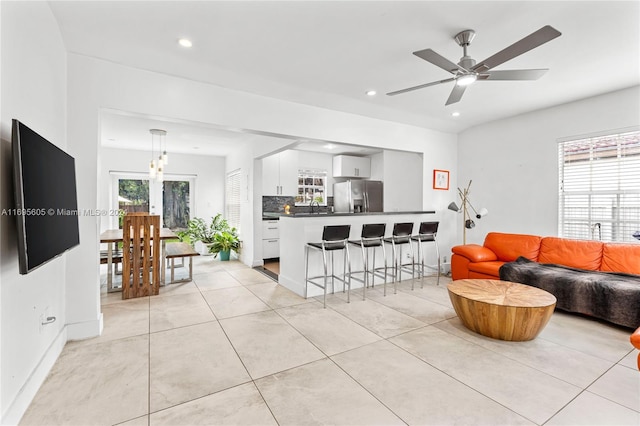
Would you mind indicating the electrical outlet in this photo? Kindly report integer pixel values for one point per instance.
(41, 320)
(444, 259)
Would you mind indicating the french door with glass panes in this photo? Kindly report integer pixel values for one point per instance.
(172, 199)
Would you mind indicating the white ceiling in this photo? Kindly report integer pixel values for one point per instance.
(329, 54)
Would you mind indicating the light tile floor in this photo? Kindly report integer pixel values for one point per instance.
(233, 347)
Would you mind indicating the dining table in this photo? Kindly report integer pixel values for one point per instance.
(114, 236)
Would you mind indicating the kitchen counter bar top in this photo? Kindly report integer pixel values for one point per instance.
(271, 216)
(296, 231)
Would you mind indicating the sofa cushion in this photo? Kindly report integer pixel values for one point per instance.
(474, 252)
(508, 247)
(621, 258)
(487, 268)
(579, 254)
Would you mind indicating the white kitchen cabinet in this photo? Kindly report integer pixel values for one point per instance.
(289, 173)
(271, 248)
(270, 239)
(350, 166)
(280, 174)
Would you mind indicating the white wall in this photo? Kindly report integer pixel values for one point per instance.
(403, 181)
(34, 91)
(514, 162)
(208, 169)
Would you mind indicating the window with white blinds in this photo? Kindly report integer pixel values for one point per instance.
(232, 199)
(599, 195)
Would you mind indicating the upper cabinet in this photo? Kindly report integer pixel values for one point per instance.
(280, 174)
(350, 166)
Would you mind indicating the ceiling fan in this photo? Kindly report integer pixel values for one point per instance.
(467, 71)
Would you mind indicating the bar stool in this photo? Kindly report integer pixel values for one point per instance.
(333, 238)
(426, 234)
(371, 237)
(400, 236)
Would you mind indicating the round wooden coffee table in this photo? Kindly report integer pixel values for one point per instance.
(501, 309)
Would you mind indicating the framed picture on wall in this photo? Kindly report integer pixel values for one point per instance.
(441, 179)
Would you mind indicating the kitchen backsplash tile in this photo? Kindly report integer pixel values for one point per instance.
(275, 204)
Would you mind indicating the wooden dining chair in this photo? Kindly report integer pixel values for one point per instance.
(141, 255)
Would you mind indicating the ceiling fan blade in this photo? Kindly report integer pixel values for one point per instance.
(422, 86)
(456, 94)
(438, 60)
(533, 40)
(513, 74)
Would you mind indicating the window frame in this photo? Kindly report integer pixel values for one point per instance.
(599, 186)
(307, 173)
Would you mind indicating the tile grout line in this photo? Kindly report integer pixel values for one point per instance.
(387, 339)
(252, 380)
(583, 389)
(452, 377)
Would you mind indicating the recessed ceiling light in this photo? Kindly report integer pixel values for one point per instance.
(371, 92)
(185, 42)
(455, 114)
(329, 146)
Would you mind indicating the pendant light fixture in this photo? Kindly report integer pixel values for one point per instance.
(156, 166)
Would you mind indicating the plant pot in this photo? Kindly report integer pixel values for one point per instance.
(224, 254)
(203, 248)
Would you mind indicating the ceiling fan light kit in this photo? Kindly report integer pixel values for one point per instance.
(467, 71)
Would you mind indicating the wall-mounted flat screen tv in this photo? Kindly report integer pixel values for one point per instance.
(46, 203)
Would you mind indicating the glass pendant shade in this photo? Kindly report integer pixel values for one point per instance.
(156, 168)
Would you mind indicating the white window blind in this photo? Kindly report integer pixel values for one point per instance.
(232, 200)
(599, 195)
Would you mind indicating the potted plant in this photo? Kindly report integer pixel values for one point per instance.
(200, 231)
(224, 242)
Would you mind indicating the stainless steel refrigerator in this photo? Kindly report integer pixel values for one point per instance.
(357, 196)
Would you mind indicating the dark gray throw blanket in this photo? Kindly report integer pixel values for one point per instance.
(614, 297)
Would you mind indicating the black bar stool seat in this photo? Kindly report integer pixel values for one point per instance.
(334, 238)
(400, 236)
(427, 234)
(372, 236)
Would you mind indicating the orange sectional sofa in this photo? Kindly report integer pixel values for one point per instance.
(587, 277)
(484, 261)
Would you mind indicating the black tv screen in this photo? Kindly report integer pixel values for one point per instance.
(46, 204)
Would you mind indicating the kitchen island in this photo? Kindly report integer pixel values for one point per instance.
(299, 229)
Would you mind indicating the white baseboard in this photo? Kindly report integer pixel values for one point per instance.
(85, 329)
(28, 391)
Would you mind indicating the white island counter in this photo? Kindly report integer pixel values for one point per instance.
(297, 230)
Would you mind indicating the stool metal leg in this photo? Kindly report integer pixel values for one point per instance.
(326, 282)
(395, 267)
(364, 261)
(438, 256)
(306, 271)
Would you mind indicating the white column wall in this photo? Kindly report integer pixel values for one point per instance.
(514, 162)
(34, 91)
